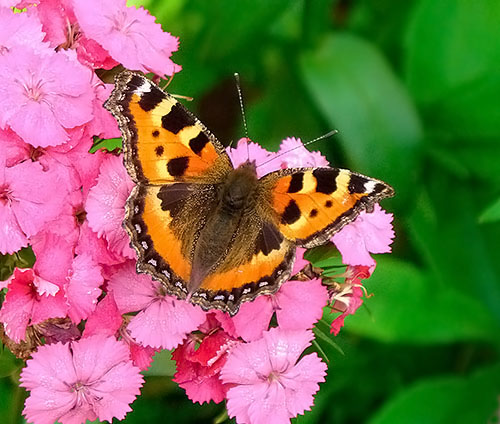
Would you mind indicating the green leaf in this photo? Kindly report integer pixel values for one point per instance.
(452, 66)
(163, 365)
(451, 43)
(407, 306)
(491, 213)
(109, 144)
(9, 364)
(359, 94)
(444, 400)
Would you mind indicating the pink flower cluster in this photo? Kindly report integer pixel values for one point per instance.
(101, 321)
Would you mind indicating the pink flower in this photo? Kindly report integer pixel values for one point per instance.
(30, 300)
(199, 361)
(295, 155)
(19, 28)
(254, 317)
(51, 92)
(89, 379)
(105, 205)
(28, 200)
(368, 233)
(163, 321)
(268, 381)
(63, 32)
(130, 35)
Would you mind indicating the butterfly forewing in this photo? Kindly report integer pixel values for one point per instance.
(312, 204)
(162, 141)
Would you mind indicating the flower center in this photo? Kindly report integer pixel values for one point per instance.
(5, 194)
(120, 23)
(34, 89)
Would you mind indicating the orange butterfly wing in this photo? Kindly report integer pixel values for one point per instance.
(312, 204)
(162, 141)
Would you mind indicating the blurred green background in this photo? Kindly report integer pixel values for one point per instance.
(414, 89)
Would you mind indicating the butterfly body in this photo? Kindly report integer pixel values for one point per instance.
(214, 234)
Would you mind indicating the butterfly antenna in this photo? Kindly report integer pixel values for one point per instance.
(328, 134)
(242, 108)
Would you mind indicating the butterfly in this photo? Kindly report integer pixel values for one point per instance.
(214, 234)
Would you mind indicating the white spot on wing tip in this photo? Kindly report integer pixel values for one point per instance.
(144, 88)
(370, 186)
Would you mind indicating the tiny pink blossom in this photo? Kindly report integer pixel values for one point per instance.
(29, 300)
(83, 287)
(130, 35)
(295, 155)
(27, 202)
(163, 321)
(369, 233)
(254, 317)
(105, 205)
(268, 381)
(89, 379)
(51, 91)
(346, 297)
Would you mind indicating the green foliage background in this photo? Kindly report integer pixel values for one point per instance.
(413, 87)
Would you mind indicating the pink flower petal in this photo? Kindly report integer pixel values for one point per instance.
(82, 289)
(165, 323)
(370, 232)
(106, 319)
(292, 296)
(105, 205)
(253, 318)
(132, 291)
(295, 155)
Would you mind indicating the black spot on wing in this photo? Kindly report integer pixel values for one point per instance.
(176, 119)
(328, 204)
(159, 150)
(177, 166)
(269, 239)
(325, 180)
(291, 213)
(357, 184)
(296, 183)
(198, 143)
(151, 99)
(155, 133)
(313, 213)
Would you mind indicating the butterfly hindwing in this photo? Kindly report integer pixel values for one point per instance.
(312, 204)
(162, 141)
